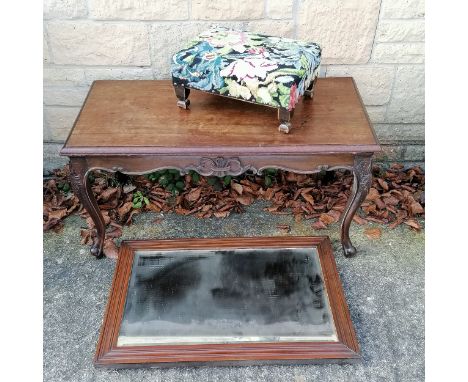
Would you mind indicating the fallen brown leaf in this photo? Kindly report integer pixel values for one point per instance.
(416, 208)
(58, 214)
(413, 224)
(108, 193)
(396, 196)
(110, 249)
(383, 184)
(283, 228)
(327, 219)
(237, 187)
(244, 200)
(221, 214)
(114, 233)
(308, 198)
(359, 220)
(51, 223)
(373, 233)
(194, 194)
(124, 209)
(318, 225)
(373, 194)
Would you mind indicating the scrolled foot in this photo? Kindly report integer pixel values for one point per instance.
(349, 250)
(96, 250)
(184, 104)
(284, 127)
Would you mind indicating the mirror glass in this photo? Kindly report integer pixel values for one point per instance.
(226, 296)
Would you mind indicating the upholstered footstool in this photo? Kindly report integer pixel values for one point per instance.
(257, 68)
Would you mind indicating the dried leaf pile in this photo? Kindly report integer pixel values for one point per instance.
(396, 197)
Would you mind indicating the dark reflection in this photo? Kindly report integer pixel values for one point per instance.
(160, 283)
(231, 293)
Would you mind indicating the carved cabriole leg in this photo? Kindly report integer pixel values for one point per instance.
(182, 94)
(284, 116)
(362, 170)
(309, 92)
(82, 189)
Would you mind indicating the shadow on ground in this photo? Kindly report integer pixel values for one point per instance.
(384, 287)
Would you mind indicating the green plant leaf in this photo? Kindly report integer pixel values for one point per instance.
(268, 181)
(163, 180)
(196, 177)
(180, 185)
(212, 180)
(227, 180)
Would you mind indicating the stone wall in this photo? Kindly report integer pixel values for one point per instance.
(378, 42)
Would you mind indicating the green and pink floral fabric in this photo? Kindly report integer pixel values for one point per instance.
(269, 70)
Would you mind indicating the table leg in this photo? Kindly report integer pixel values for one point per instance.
(82, 188)
(362, 170)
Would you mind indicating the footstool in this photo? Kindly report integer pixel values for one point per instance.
(256, 68)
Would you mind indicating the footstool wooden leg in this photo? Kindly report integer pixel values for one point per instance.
(284, 116)
(362, 170)
(309, 92)
(182, 94)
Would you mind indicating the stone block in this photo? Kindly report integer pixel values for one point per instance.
(374, 82)
(227, 9)
(281, 28)
(407, 102)
(390, 153)
(376, 113)
(280, 9)
(167, 39)
(59, 121)
(92, 74)
(139, 9)
(92, 43)
(400, 31)
(398, 133)
(414, 153)
(45, 49)
(402, 9)
(344, 29)
(64, 9)
(65, 96)
(398, 53)
(59, 75)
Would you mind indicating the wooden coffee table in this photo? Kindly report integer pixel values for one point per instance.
(134, 127)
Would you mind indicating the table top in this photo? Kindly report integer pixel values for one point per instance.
(141, 118)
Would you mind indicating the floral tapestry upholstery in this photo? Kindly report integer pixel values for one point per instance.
(268, 70)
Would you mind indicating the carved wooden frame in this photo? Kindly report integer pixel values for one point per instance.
(345, 348)
(359, 164)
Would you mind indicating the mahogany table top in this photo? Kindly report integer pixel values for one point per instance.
(141, 118)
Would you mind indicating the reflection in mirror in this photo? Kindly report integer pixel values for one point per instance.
(226, 296)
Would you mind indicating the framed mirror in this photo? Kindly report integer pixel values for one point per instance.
(228, 301)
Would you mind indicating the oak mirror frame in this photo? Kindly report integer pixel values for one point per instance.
(336, 341)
